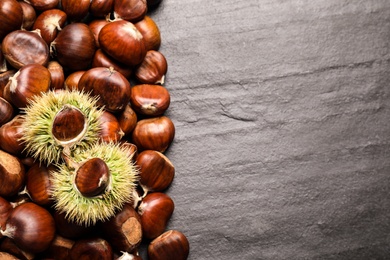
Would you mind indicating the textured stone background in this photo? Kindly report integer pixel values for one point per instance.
(281, 108)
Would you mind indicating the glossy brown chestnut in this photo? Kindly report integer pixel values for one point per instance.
(152, 69)
(154, 134)
(94, 248)
(72, 80)
(3, 62)
(112, 88)
(38, 184)
(49, 23)
(172, 244)
(122, 41)
(4, 78)
(150, 32)
(110, 128)
(29, 15)
(150, 100)
(156, 170)
(6, 111)
(68, 124)
(11, 17)
(101, 59)
(10, 134)
(57, 75)
(12, 175)
(132, 149)
(155, 210)
(31, 227)
(95, 26)
(127, 120)
(92, 177)
(76, 10)
(21, 48)
(124, 231)
(130, 10)
(5, 210)
(43, 5)
(29, 81)
(74, 46)
(101, 8)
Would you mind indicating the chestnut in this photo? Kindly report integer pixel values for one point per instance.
(10, 135)
(29, 15)
(31, 227)
(30, 80)
(101, 8)
(72, 80)
(130, 10)
(94, 248)
(150, 32)
(101, 59)
(155, 210)
(49, 23)
(152, 69)
(56, 74)
(122, 41)
(172, 244)
(43, 5)
(95, 26)
(12, 175)
(4, 78)
(38, 184)
(76, 10)
(124, 231)
(3, 62)
(154, 134)
(156, 170)
(127, 120)
(112, 88)
(6, 111)
(110, 128)
(92, 177)
(74, 46)
(11, 17)
(5, 210)
(21, 48)
(150, 100)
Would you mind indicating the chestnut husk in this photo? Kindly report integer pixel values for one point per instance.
(11, 17)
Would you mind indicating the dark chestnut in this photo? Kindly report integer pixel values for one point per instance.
(156, 170)
(11, 17)
(6, 111)
(22, 48)
(74, 46)
(155, 210)
(101, 8)
(112, 88)
(49, 23)
(150, 100)
(172, 244)
(76, 10)
(94, 248)
(29, 15)
(122, 41)
(130, 10)
(92, 177)
(43, 5)
(154, 134)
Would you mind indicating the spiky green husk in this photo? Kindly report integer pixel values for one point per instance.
(88, 211)
(39, 116)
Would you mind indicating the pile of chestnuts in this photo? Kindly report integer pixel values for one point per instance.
(83, 132)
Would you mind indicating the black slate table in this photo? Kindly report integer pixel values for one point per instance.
(282, 115)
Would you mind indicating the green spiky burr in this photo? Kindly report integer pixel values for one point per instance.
(58, 121)
(85, 210)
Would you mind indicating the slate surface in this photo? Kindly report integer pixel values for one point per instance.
(281, 108)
